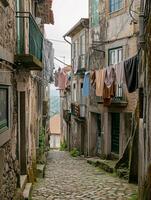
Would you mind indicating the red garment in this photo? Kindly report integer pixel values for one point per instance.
(62, 80)
(109, 89)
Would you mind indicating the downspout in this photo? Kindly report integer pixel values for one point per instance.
(141, 25)
(64, 37)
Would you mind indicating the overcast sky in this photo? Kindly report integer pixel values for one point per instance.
(66, 14)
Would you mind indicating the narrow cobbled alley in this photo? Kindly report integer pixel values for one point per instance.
(68, 178)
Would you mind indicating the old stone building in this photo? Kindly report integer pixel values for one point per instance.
(112, 38)
(79, 52)
(21, 94)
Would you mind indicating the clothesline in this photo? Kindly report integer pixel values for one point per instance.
(105, 80)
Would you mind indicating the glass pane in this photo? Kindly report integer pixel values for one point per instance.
(3, 107)
(120, 55)
(115, 5)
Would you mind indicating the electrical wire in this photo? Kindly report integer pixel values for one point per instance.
(130, 11)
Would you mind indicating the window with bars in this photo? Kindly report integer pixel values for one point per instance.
(4, 109)
(116, 5)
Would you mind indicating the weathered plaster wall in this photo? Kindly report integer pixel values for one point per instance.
(9, 166)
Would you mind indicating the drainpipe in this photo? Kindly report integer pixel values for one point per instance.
(141, 25)
(64, 37)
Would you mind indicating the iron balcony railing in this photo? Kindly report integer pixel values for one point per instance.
(120, 97)
(78, 110)
(29, 36)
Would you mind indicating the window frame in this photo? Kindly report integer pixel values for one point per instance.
(115, 49)
(5, 128)
(119, 92)
(115, 3)
(5, 134)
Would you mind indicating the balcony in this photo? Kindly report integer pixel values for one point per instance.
(119, 100)
(67, 115)
(78, 110)
(29, 42)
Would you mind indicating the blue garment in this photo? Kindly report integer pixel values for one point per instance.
(86, 85)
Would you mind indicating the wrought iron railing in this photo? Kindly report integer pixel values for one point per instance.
(67, 115)
(120, 95)
(29, 36)
(78, 110)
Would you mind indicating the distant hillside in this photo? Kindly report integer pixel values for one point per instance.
(54, 102)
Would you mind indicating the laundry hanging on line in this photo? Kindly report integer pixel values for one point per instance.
(109, 89)
(62, 79)
(86, 85)
(131, 73)
(105, 80)
(99, 74)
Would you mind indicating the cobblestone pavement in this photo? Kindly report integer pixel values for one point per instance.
(68, 178)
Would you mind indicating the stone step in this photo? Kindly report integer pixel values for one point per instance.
(107, 165)
(40, 170)
(27, 191)
(23, 181)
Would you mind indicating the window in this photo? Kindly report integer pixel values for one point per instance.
(4, 119)
(82, 44)
(116, 56)
(115, 5)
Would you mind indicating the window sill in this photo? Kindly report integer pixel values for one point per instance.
(117, 12)
(5, 137)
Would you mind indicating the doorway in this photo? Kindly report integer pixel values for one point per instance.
(115, 132)
(22, 132)
(98, 134)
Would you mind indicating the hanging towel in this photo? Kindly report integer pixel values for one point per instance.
(110, 76)
(109, 93)
(93, 78)
(99, 82)
(86, 84)
(62, 80)
(109, 89)
(119, 70)
(131, 73)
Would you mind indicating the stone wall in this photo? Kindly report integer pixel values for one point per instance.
(8, 26)
(8, 172)
(43, 10)
(9, 167)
